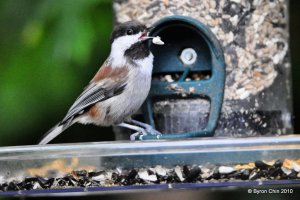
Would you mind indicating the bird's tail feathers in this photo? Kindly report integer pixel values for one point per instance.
(54, 132)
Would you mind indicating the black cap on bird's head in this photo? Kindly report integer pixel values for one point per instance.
(127, 29)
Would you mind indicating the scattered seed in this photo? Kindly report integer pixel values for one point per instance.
(226, 170)
(259, 171)
(145, 176)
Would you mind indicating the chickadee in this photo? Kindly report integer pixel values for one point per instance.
(120, 86)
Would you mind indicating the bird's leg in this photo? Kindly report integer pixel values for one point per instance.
(140, 131)
(147, 127)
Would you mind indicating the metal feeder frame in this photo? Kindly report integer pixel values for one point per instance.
(212, 88)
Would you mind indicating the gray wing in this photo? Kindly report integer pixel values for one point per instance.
(91, 95)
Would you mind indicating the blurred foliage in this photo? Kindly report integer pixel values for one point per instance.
(49, 49)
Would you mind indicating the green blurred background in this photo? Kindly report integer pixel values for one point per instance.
(49, 50)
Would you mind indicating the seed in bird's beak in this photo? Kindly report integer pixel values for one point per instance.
(157, 40)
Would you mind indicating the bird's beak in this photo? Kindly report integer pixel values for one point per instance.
(155, 40)
(144, 36)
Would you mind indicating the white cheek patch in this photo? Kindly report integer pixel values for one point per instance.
(119, 46)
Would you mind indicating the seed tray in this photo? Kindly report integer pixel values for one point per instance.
(128, 166)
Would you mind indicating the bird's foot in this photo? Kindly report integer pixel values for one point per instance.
(138, 134)
(140, 131)
(151, 130)
(148, 128)
(141, 128)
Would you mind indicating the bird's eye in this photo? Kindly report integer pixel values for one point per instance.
(129, 32)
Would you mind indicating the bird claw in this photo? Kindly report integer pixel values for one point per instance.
(152, 131)
(136, 134)
(148, 130)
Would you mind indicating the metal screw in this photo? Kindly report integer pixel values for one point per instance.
(188, 56)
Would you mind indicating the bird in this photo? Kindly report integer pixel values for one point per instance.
(119, 87)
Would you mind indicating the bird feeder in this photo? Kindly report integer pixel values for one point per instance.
(190, 47)
(98, 168)
(253, 38)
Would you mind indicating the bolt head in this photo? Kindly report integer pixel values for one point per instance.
(188, 56)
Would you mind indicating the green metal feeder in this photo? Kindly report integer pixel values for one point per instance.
(189, 47)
